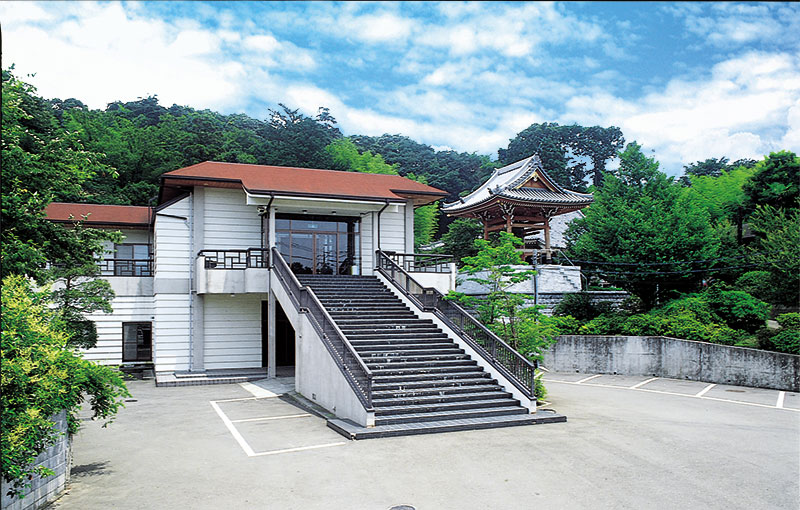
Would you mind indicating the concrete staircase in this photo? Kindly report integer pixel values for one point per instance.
(422, 381)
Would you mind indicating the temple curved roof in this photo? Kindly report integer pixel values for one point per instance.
(522, 182)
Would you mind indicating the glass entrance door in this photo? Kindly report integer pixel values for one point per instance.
(319, 244)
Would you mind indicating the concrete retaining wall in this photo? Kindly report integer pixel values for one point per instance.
(674, 358)
(44, 490)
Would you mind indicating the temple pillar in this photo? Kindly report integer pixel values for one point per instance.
(548, 252)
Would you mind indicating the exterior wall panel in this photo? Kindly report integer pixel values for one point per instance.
(230, 224)
(232, 328)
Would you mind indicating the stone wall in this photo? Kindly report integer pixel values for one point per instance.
(44, 490)
(674, 358)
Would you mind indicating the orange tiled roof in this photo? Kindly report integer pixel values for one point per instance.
(303, 182)
(111, 215)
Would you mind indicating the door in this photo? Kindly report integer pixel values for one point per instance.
(137, 341)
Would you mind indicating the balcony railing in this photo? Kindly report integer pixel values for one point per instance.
(421, 262)
(236, 259)
(518, 369)
(126, 267)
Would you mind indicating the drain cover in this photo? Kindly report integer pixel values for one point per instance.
(403, 507)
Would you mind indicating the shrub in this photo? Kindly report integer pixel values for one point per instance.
(738, 309)
(581, 307)
(609, 324)
(41, 376)
(787, 339)
(756, 283)
(644, 325)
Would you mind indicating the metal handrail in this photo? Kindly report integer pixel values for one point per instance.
(358, 375)
(118, 267)
(422, 262)
(235, 259)
(517, 368)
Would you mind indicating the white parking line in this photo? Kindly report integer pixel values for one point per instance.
(240, 439)
(781, 396)
(589, 378)
(704, 390)
(236, 435)
(643, 383)
(298, 449)
(754, 404)
(266, 418)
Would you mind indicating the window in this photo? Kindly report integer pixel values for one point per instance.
(133, 260)
(137, 341)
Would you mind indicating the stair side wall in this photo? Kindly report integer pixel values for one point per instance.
(317, 376)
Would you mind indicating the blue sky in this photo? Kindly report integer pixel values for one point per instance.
(688, 81)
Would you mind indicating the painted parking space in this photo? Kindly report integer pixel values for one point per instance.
(677, 386)
(272, 425)
(623, 381)
(741, 395)
(744, 394)
(791, 400)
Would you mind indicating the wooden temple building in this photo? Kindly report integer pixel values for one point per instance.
(519, 198)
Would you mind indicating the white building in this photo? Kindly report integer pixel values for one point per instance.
(207, 282)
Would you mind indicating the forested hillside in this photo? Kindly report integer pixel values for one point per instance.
(137, 141)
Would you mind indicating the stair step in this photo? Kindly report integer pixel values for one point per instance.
(402, 365)
(421, 392)
(446, 376)
(421, 370)
(432, 407)
(459, 414)
(437, 399)
(411, 359)
(349, 429)
(435, 383)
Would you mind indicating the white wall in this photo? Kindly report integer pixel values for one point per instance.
(232, 331)
(171, 332)
(108, 350)
(172, 252)
(393, 233)
(230, 224)
(173, 260)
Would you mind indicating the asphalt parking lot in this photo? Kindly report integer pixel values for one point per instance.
(629, 443)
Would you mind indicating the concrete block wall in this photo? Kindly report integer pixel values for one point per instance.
(44, 490)
(674, 358)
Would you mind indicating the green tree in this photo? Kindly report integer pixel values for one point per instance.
(293, 139)
(42, 376)
(642, 232)
(346, 156)
(492, 267)
(776, 181)
(559, 147)
(777, 250)
(40, 165)
(459, 240)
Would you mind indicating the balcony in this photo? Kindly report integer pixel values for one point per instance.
(128, 277)
(232, 271)
(126, 267)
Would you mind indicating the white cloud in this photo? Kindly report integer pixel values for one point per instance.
(725, 114)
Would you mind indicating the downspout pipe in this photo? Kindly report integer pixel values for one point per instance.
(265, 213)
(379, 223)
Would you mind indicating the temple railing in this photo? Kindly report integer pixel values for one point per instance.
(358, 376)
(518, 370)
(236, 259)
(422, 262)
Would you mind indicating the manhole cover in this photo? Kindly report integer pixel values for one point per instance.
(403, 507)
